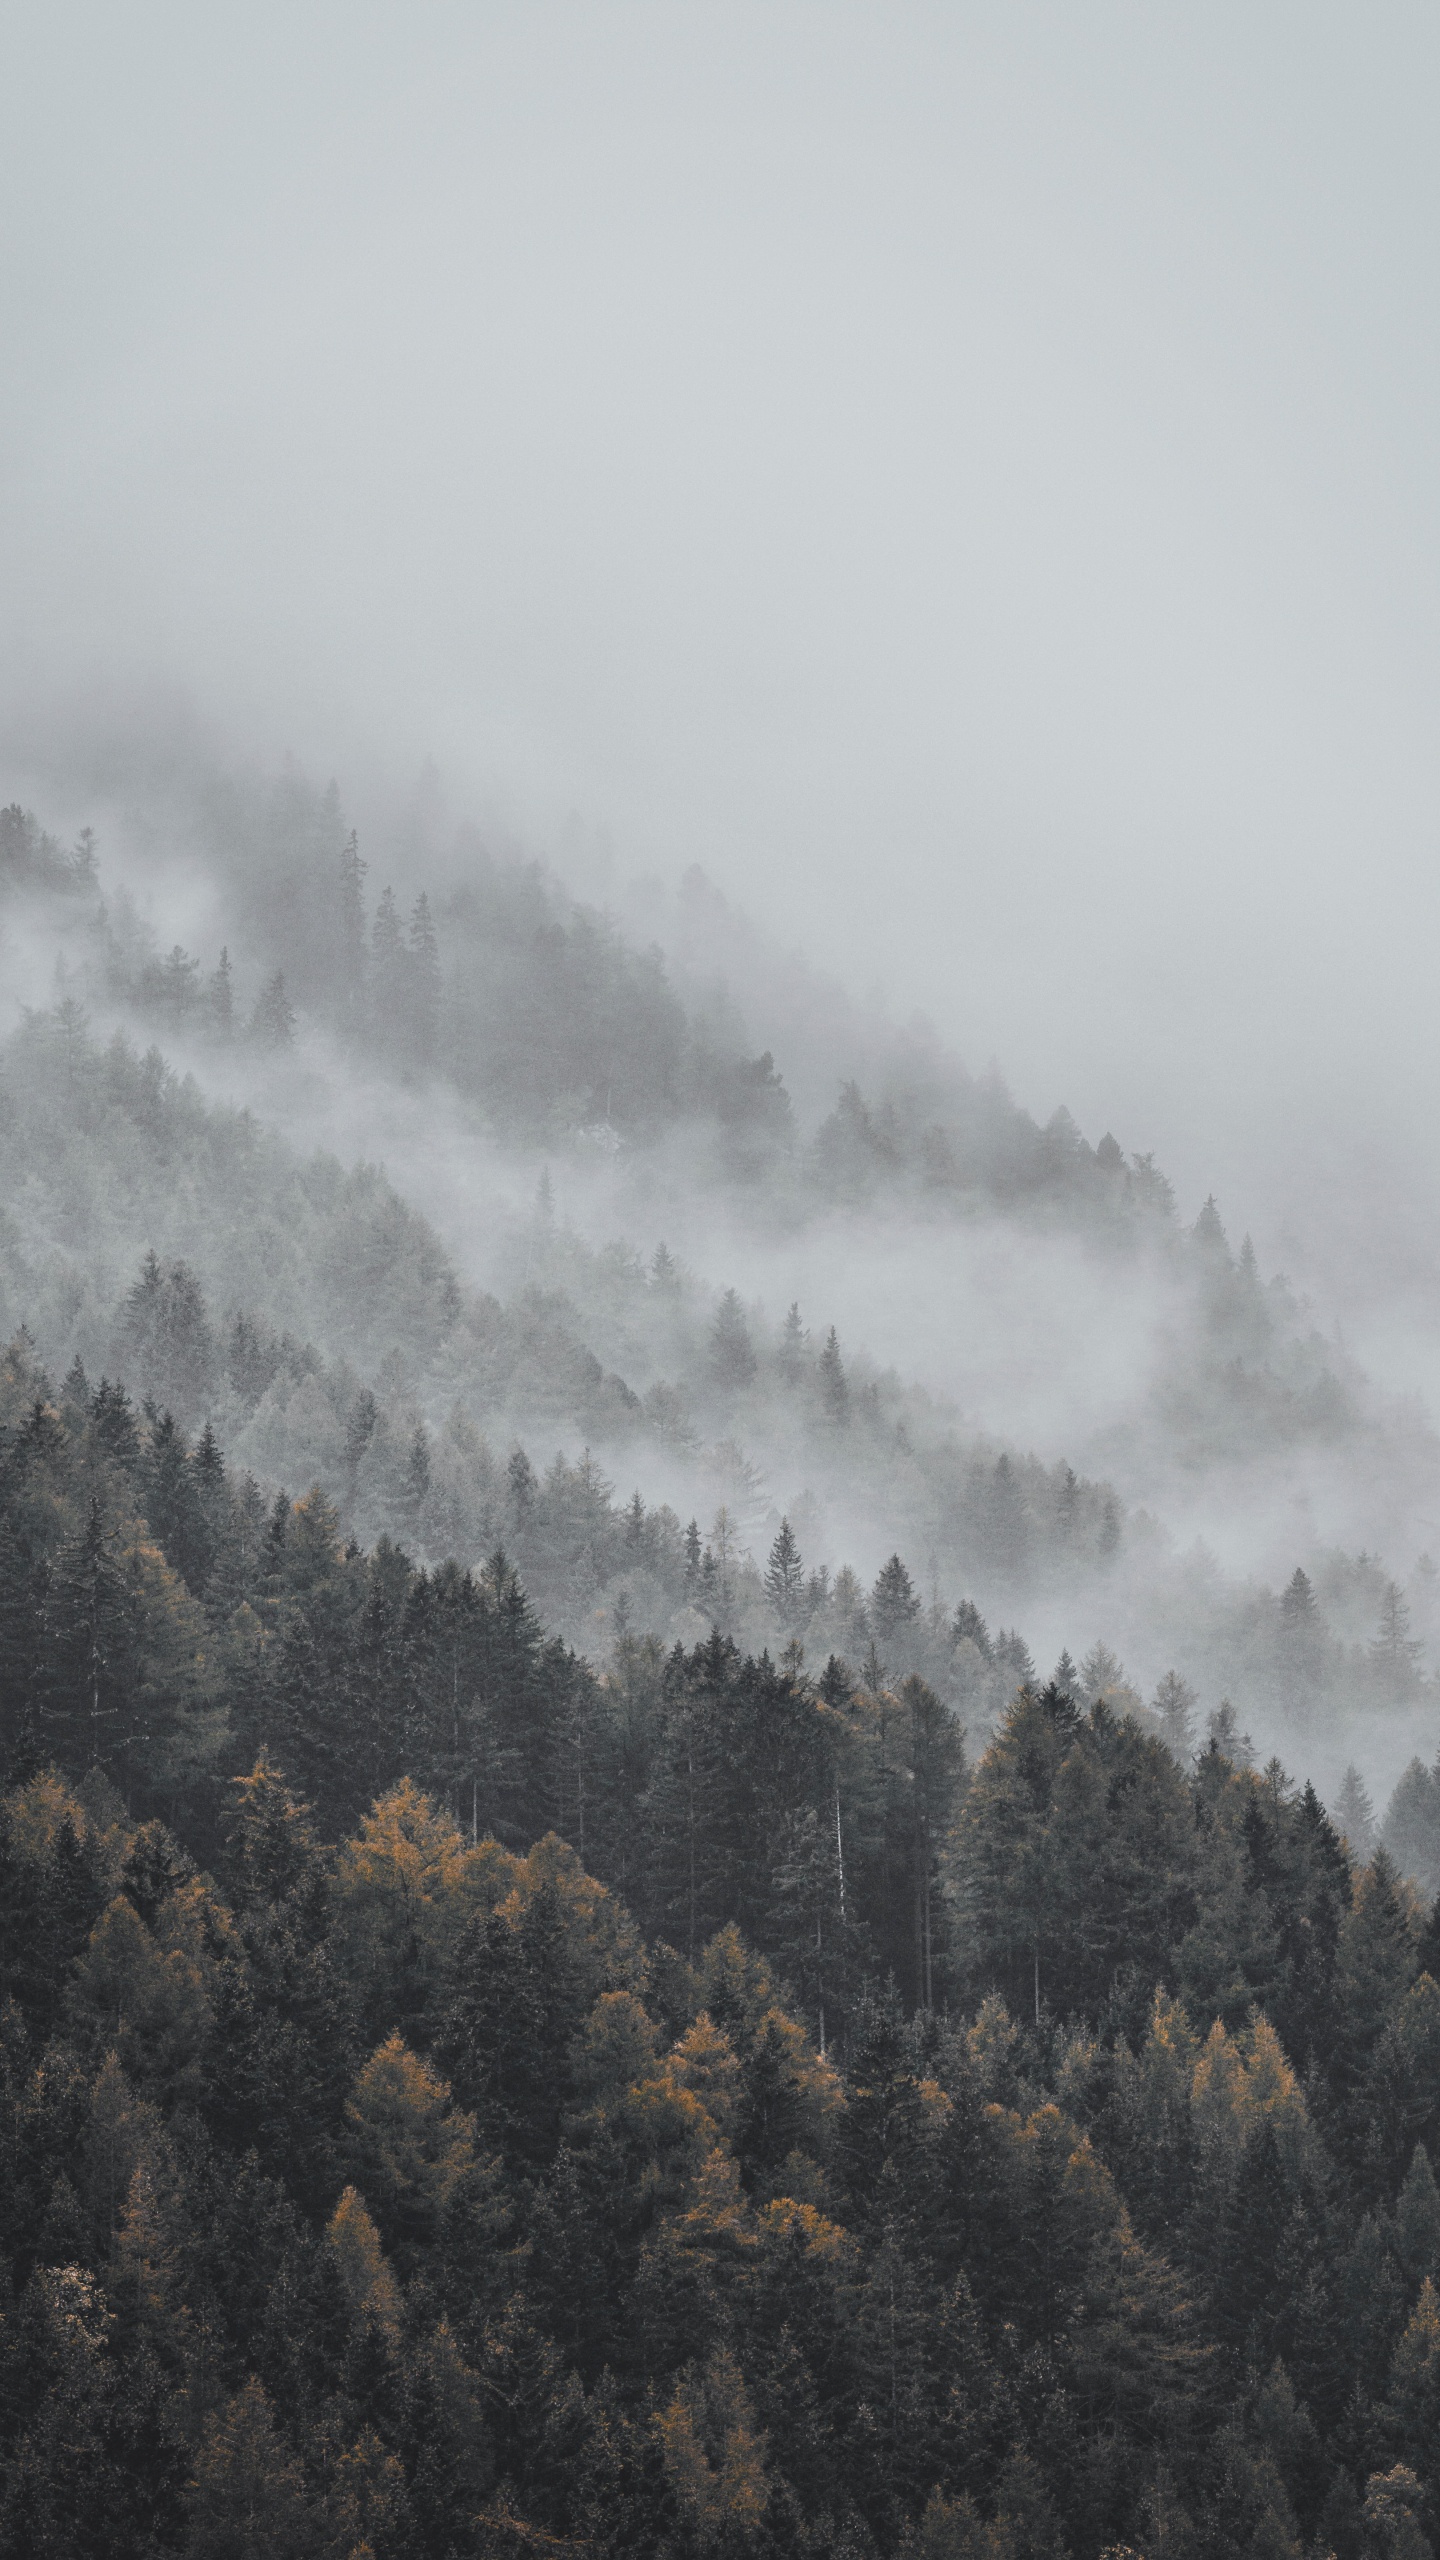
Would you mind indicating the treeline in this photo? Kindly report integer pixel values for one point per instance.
(539, 1008)
(401, 2196)
(532, 1004)
(32, 859)
(160, 1621)
(318, 1322)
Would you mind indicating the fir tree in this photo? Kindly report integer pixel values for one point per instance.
(834, 1386)
(352, 931)
(273, 1022)
(424, 982)
(732, 1356)
(785, 1576)
(220, 995)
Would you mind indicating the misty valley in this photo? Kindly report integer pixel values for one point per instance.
(721, 1766)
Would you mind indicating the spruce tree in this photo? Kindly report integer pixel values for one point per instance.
(732, 1355)
(834, 1386)
(785, 1576)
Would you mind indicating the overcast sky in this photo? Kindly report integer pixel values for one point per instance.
(966, 476)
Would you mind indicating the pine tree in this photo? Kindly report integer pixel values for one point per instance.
(273, 1021)
(1209, 1233)
(388, 975)
(794, 1342)
(1395, 1653)
(92, 1673)
(1174, 1703)
(1355, 1814)
(424, 982)
(173, 1504)
(1100, 1670)
(1224, 1732)
(1011, 1654)
(834, 1386)
(112, 1419)
(1417, 2218)
(23, 1659)
(1412, 1825)
(220, 995)
(937, 1766)
(894, 1605)
(247, 2498)
(165, 1339)
(176, 991)
(968, 1627)
(352, 932)
(1299, 1608)
(732, 1355)
(785, 1576)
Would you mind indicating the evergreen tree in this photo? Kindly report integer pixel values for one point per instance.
(1174, 1703)
(273, 1022)
(220, 993)
(389, 976)
(1355, 1814)
(165, 1340)
(1412, 1825)
(968, 1627)
(894, 1607)
(92, 1676)
(1225, 1733)
(424, 982)
(175, 1504)
(785, 1576)
(732, 1355)
(834, 1386)
(794, 1342)
(1395, 1653)
(352, 932)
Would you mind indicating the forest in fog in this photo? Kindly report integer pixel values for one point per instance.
(719, 1282)
(628, 1927)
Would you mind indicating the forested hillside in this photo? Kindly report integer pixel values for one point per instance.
(537, 1008)
(313, 1323)
(542, 2016)
(1018, 2161)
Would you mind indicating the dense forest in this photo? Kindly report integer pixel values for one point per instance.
(456, 2103)
(545, 2010)
(333, 1340)
(538, 1008)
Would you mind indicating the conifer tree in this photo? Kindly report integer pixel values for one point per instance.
(388, 975)
(732, 1355)
(1417, 2218)
(834, 1386)
(424, 982)
(273, 1022)
(1174, 1703)
(1355, 1814)
(92, 1677)
(794, 1341)
(894, 1604)
(352, 931)
(785, 1576)
(220, 995)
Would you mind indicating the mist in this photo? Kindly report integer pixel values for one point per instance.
(719, 1280)
(974, 470)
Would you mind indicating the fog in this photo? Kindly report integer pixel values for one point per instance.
(963, 478)
(929, 517)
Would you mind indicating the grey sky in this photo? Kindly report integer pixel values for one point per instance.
(964, 475)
